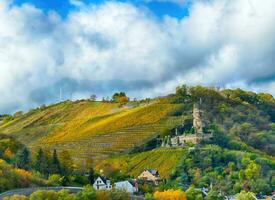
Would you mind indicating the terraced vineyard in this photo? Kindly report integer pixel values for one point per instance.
(165, 160)
(91, 129)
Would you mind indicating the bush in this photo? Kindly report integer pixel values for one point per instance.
(193, 194)
(112, 195)
(245, 196)
(44, 195)
(88, 193)
(54, 180)
(16, 197)
(149, 196)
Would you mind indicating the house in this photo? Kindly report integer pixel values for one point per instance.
(128, 186)
(102, 183)
(150, 175)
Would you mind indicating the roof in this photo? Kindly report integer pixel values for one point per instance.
(104, 179)
(153, 171)
(132, 182)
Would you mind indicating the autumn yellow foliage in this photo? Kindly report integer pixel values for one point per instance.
(8, 153)
(164, 160)
(91, 129)
(170, 195)
(23, 173)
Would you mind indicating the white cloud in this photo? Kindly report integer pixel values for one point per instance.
(119, 46)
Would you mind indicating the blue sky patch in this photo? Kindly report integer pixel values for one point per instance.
(63, 7)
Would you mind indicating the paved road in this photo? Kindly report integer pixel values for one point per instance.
(29, 191)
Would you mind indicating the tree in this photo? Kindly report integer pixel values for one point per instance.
(41, 163)
(93, 97)
(252, 171)
(23, 159)
(213, 195)
(170, 194)
(193, 194)
(8, 153)
(120, 97)
(66, 161)
(245, 196)
(91, 176)
(55, 167)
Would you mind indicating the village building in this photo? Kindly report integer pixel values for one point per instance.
(150, 175)
(128, 186)
(102, 183)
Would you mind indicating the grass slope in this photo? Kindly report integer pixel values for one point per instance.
(164, 160)
(90, 129)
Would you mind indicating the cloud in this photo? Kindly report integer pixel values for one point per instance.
(118, 46)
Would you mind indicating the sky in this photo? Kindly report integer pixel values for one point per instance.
(143, 47)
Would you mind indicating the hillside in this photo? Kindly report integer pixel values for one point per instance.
(90, 129)
(165, 160)
(96, 130)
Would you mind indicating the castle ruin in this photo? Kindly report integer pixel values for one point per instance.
(199, 130)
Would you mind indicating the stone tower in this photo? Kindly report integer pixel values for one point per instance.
(198, 120)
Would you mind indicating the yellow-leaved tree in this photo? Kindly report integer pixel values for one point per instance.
(170, 195)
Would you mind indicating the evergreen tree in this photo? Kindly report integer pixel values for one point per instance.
(91, 176)
(23, 159)
(41, 163)
(55, 167)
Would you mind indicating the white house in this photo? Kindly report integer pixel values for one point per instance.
(128, 186)
(102, 183)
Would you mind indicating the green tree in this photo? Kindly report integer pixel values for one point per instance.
(41, 163)
(120, 97)
(55, 167)
(213, 195)
(193, 194)
(245, 196)
(252, 171)
(91, 176)
(23, 159)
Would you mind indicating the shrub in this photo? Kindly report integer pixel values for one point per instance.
(44, 195)
(149, 196)
(54, 180)
(16, 197)
(112, 195)
(245, 196)
(88, 193)
(192, 194)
